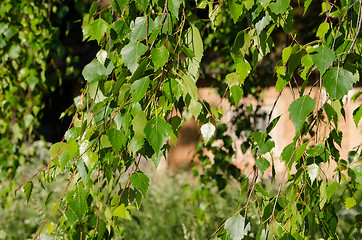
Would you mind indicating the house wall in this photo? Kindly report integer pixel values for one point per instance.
(181, 155)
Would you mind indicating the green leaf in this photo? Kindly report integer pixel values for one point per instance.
(349, 203)
(259, 189)
(282, 81)
(47, 200)
(121, 28)
(94, 70)
(338, 82)
(104, 142)
(323, 194)
(159, 56)
(117, 138)
(71, 216)
(99, 28)
(331, 114)
(279, 6)
(79, 203)
(264, 145)
(189, 87)
(138, 124)
(236, 227)
(174, 6)
(286, 54)
(57, 148)
(139, 88)
(140, 181)
(87, 31)
(139, 28)
(306, 5)
(28, 189)
(287, 152)
(243, 69)
(248, 4)
(72, 133)
(331, 189)
(195, 108)
(130, 53)
(157, 133)
(93, 9)
(194, 42)
(121, 211)
(356, 96)
(263, 164)
(135, 145)
(357, 115)
(323, 58)
(295, 59)
(241, 43)
(236, 94)
(63, 159)
(236, 9)
(299, 110)
(142, 3)
(90, 159)
(83, 171)
(272, 124)
(298, 154)
(262, 23)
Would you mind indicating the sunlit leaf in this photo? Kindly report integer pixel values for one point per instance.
(236, 227)
(322, 30)
(207, 131)
(122, 212)
(101, 56)
(313, 171)
(349, 203)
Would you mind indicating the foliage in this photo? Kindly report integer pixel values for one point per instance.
(23, 75)
(142, 85)
(31, 50)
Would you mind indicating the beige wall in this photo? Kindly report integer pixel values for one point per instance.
(283, 133)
